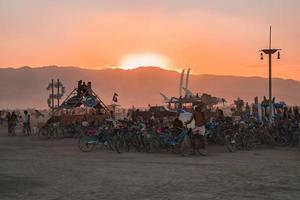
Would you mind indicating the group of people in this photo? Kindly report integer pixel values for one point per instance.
(13, 120)
(284, 120)
(174, 126)
(280, 111)
(197, 133)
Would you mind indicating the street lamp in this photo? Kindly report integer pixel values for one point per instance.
(270, 52)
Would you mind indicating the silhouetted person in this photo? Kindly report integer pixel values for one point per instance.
(1, 119)
(89, 88)
(26, 124)
(220, 116)
(247, 109)
(198, 133)
(285, 114)
(290, 111)
(256, 100)
(79, 88)
(84, 89)
(8, 118)
(13, 123)
(296, 113)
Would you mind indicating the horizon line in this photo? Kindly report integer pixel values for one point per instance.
(138, 68)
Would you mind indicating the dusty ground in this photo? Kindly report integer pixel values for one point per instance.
(33, 169)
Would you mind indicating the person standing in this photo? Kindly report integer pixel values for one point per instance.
(8, 118)
(13, 123)
(220, 116)
(26, 124)
(247, 112)
(1, 119)
(198, 133)
(296, 113)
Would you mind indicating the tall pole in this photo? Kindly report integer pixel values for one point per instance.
(270, 52)
(270, 77)
(57, 93)
(270, 37)
(52, 93)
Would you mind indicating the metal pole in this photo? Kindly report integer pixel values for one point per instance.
(52, 96)
(270, 87)
(57, 92)
(270, 40)
(269, 52)
(270, 77)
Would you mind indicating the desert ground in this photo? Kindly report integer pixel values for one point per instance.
(31, 169)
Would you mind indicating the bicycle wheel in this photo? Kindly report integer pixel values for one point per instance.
(299, 142)
(281, 141)
(58, 133)
(116, 143)
(86, 143)
(134, 141)
(123, 145)
(109, 144)
(68, 133)
(77, 133)
(250, 143)
(230, 143)
(220, 139)
(185, 147)
(43, 133)
(269, 140)
(154, 145)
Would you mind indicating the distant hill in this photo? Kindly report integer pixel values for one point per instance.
(26, 87)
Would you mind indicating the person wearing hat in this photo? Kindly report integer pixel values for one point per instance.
(198, 133)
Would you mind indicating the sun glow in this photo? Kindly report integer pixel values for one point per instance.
(133, 61)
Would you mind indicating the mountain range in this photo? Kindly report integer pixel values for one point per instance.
(26, 87)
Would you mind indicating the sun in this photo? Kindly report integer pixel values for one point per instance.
(133, 61)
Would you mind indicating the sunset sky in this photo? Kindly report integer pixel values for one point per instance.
(209, 36)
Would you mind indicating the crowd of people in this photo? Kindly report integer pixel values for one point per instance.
(284, 120)
(13, 120)
(283, 129)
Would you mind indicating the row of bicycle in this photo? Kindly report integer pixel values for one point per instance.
(135, 138)
(239, 136)
(154, 138)
(246, 136)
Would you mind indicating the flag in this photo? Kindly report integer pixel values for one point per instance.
(115, 97)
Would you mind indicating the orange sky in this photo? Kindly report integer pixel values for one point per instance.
(211, 37)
